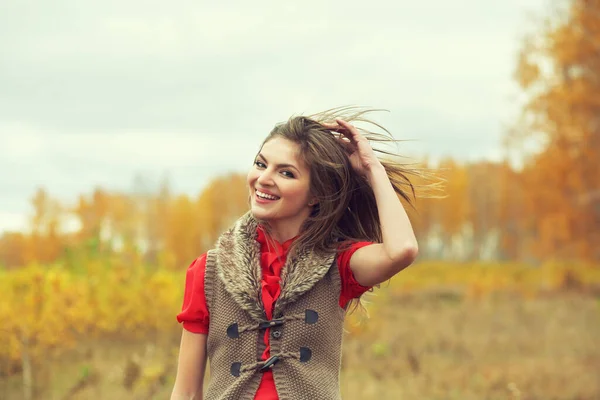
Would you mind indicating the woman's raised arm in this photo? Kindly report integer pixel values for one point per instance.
(374, 264)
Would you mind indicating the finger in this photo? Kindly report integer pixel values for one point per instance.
(349, 130)
(342, 135)
(347, 126)
(348, 146)
(332, 126)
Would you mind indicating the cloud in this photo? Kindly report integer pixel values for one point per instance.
(147, 66)
(95, 93)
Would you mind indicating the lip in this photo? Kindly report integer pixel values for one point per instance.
(265, 191)
(260, 200)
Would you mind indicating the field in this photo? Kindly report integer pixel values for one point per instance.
(439, 332)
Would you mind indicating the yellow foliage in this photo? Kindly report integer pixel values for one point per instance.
(485, 278)
(46, 308)
(51, 308)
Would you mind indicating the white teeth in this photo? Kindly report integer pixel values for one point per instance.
(266, 196)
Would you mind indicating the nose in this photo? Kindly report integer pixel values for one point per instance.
(265, 178)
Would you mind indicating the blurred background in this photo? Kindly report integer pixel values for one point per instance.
(126, 130)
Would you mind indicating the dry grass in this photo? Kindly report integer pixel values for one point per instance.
(432, 344)
(437, 345)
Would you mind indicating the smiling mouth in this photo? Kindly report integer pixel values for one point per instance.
(265, 196)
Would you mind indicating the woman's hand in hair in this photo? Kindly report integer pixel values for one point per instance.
(361, 154)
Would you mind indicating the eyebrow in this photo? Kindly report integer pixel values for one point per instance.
(280, 165)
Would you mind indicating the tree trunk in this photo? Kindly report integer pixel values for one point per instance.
(26, 368)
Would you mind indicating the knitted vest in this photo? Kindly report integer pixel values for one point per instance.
(306, 329)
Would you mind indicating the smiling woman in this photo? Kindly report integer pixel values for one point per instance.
(325, 225)
(280, 188)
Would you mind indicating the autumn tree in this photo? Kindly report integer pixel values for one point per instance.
(483, 214)
(15, 248)
(45, 244)
(559, 71)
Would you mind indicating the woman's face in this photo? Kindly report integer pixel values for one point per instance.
(279, 184)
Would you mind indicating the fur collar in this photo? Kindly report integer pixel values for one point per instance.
(238, 267)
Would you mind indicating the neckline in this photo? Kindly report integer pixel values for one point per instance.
(265, 239)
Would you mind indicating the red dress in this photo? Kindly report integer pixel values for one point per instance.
(194, 313)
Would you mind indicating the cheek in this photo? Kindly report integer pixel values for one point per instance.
(251, 178)
(299, 193)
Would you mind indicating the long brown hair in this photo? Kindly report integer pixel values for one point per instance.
(346, 209)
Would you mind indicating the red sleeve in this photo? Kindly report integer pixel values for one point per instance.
(194, 313)
(350, 288)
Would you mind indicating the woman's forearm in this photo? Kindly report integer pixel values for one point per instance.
(398, 236)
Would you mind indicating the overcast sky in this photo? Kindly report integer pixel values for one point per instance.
(93, 93)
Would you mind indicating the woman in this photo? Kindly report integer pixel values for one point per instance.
(325, 225)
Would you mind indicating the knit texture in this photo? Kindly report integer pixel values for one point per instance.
(307, 341)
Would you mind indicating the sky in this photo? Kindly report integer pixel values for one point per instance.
(93, 94)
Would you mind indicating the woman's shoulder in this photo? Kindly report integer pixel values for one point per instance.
(194, 313)
(196, 270)
(199, 262)
(350, 289)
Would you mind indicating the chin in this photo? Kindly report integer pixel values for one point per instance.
(258, 213)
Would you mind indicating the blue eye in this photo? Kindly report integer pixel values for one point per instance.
(288, 174)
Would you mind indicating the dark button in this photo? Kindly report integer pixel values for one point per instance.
(311, 316)
(275, 334)
(232, 331)
(235, 369)
(305, 354)
(269, 363)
